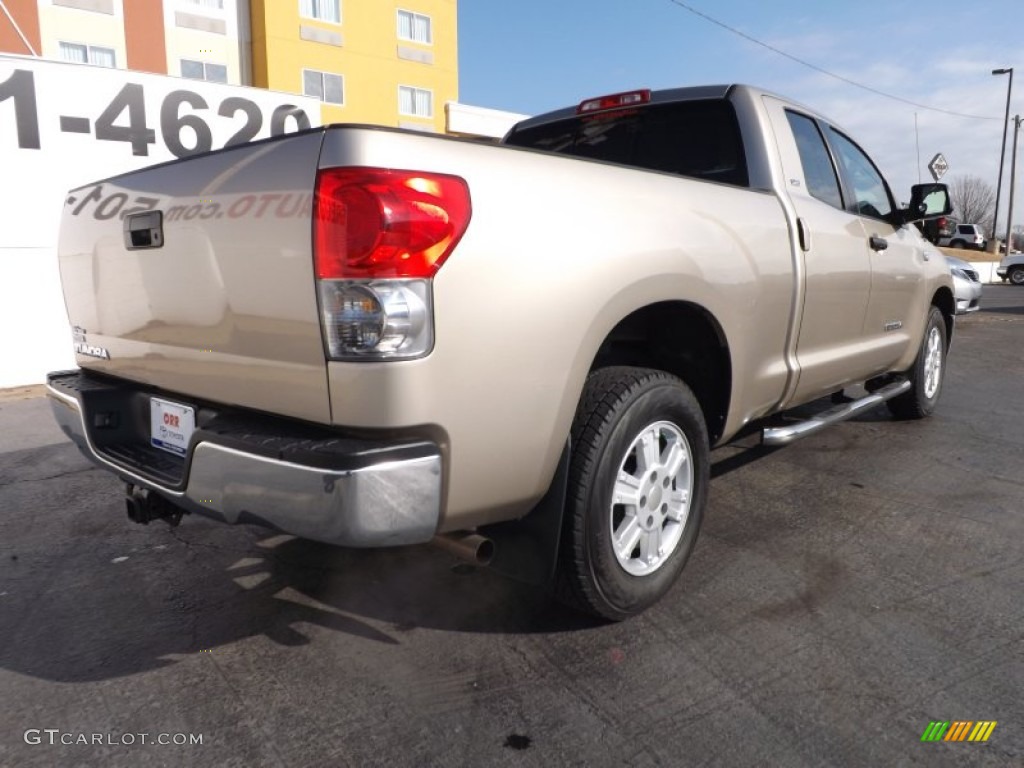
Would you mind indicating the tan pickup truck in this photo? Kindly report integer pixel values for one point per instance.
(524, 352)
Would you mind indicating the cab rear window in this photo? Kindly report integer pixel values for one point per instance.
(698, 139)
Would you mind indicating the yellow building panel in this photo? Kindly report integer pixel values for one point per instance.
(366, 50)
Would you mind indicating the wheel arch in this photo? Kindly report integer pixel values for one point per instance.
(699, 355)
(680, 338)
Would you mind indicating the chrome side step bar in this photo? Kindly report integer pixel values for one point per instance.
(775, 436)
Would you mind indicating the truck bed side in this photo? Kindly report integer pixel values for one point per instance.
(558, 252)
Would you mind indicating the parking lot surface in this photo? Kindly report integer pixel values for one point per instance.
(846, 591)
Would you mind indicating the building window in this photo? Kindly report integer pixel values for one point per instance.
(415, 27)
(89, 6)
(415, 101)
(87, 54)
(210, 5)
(324, 86)
(203, 70)
(321, 10)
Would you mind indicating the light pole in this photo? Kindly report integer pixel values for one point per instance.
(1002, 155)
(917, 140)
(1013, 175)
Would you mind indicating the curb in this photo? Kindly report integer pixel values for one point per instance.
(22, 393)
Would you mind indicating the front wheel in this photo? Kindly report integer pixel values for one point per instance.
(958, 244)
(1016, 275)
(927, 374)
(638, 485)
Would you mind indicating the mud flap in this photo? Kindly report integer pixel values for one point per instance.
(526, 550)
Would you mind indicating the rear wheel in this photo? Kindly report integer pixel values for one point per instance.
(1016, 275)
(927, 374)
(637, 489)
(958, 244)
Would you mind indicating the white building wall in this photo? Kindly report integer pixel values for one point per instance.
(49, 146)
(467, 120)
(203, 33)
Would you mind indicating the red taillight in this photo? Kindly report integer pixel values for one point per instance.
(379, 223)
(614, 101)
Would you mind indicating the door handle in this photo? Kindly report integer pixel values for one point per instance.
(878, 243)
(803, 235)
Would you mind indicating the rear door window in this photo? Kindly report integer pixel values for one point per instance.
(819, 172)
(700, 139)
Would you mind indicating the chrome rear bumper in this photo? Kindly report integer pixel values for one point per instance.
(389, 499)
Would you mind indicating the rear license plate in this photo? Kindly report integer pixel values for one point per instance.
(171, 425)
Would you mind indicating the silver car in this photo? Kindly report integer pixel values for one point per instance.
(966, 285)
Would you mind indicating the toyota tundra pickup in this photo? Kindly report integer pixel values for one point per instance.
(523, 352)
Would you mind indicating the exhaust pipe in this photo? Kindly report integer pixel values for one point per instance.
(143, 506)
(473, 547)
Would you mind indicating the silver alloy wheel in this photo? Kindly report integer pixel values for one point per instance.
(651, 498)
(933, 363)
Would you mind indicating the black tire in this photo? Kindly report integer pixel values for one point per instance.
(1016, 275)
(620, 405)
(924, 392)
(958, 244)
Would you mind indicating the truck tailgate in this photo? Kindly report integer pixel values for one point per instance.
(213, 299)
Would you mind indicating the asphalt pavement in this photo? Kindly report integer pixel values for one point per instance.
(846, 591)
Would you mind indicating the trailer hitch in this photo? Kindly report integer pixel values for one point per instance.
(145, 505)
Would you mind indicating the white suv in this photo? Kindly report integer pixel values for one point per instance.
(965, 236)
(1012, 268)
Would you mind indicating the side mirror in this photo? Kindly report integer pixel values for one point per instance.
(927, 201)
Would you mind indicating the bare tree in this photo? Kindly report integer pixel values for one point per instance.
(973, 201)
(1018, 237)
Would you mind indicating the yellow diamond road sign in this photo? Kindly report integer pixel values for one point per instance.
(938, 166)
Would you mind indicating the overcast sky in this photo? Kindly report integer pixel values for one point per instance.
(534, 55)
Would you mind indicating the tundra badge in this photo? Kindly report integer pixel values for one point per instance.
(82, 347)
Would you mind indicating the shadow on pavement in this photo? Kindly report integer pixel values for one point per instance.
(162, 593)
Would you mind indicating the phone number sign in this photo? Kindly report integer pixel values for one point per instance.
(64, 125)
